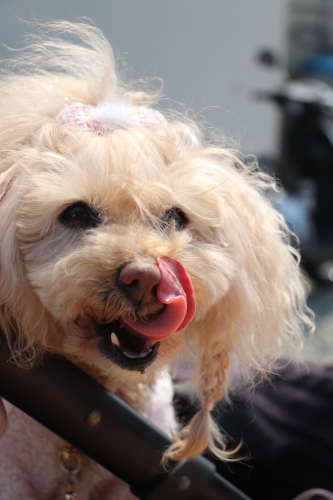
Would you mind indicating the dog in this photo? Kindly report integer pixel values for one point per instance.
(128, 239)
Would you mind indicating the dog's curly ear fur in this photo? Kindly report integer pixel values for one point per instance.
(264, 309)
(20, 309)
(7, 277)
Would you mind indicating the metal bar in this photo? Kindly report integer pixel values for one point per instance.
(62, 397)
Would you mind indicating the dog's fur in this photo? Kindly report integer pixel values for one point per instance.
(54, 279)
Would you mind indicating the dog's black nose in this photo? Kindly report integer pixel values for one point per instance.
(139, 281)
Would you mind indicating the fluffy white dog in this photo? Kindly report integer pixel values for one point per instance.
(126, 239)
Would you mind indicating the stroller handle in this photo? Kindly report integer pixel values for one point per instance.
(63, 398)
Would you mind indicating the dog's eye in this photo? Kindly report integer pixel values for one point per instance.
(175, 215)
(81, 216)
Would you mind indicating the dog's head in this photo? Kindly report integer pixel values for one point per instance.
(126, 239)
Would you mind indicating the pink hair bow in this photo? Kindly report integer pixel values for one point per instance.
(109, 116)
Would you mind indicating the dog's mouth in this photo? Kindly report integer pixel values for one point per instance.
(133, 343)
(125, 346)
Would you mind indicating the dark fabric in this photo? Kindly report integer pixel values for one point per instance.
(287, 428)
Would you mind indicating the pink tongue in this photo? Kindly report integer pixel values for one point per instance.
(176, 292)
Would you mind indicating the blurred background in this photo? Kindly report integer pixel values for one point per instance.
(204, 50)
(261, 72)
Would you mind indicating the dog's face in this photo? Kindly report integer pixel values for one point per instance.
(122, 249)
(102, 231)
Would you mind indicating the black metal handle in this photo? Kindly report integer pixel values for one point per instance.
(66, 400)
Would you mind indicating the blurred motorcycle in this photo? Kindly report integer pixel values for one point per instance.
(305, 168)
(305, 163)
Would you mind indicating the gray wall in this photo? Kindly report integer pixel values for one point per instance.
(204, 50)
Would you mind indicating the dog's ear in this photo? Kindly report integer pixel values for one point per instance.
(263, 310)
(20, 308)
(7, 178)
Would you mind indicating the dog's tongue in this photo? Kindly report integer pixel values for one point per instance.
(176, 292)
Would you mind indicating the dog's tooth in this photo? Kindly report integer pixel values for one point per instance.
(114, 339)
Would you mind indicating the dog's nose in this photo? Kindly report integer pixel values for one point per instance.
(139, 282)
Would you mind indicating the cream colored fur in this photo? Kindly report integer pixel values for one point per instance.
(249, 291)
